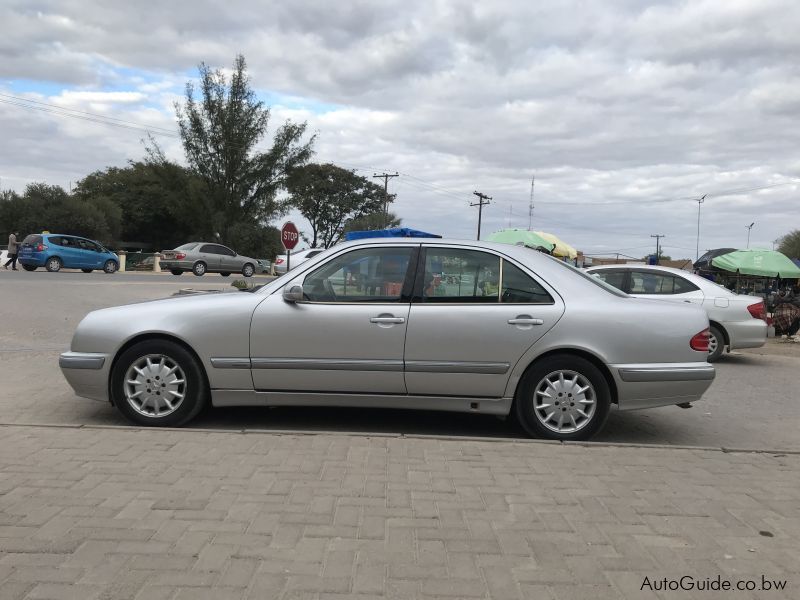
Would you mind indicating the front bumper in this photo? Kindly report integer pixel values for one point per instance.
(662, 384)
(86, 373)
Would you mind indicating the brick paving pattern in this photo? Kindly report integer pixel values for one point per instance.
(163, 515)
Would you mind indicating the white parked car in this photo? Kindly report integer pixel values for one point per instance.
(297, 258)
(736, 320)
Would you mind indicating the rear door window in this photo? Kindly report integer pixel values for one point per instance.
(210, 249)
(520, 288)
(652, 282)
(615, 277)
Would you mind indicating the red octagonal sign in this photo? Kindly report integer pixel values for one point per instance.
(289, 235)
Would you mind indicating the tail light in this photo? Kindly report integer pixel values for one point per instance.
(278, 261)
(700, 341)
(758, 311)
(41, 248)
(180, 256)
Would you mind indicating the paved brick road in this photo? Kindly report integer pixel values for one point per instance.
(125, 513)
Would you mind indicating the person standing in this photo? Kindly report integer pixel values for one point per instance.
(13, 249)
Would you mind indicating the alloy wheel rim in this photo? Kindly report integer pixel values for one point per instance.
(712, 343)
(564, 401)
(248, 271)
(54, 264)
(155, 385)
(200, 268)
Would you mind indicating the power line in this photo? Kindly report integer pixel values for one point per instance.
(658, 237)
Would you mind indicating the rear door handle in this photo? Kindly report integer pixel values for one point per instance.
(388, 320)
(525, 321)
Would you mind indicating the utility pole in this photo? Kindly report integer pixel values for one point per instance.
(483, 200)
(699, 202)
(530, 206)
(749, 227)
(658, 237)
(386, 177)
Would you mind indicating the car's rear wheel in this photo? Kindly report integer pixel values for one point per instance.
(199, 269)
(110, 267)
(226, 274)
(29, 267)
(248, 270)
(716, 343)
(176, 271)
(87, 270)
(562, 397)
(158, 383)
(54, 264)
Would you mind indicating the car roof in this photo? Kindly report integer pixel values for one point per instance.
(639, 267)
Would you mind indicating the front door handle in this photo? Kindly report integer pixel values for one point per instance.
(387, 320)
(525, 321)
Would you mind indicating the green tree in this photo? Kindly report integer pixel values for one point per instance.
(220, 131)
(373, 221)
(790, 244)
(329, 197)
(45, 207)
(162, 204)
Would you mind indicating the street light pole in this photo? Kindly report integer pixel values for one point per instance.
(749, 227)
(699, 202)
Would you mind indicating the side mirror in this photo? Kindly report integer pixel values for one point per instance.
(293, 293)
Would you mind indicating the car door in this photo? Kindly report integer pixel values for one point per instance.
(663, 285)
(90, 254)
(473, 315)
(210, 254)
(70, 251)
(229, 261)
(348, 333)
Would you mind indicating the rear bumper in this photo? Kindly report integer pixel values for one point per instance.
(86, 373)
(33, 260)
(663, 384)
(746, 334)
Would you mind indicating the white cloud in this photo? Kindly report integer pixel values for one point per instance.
(612, 105)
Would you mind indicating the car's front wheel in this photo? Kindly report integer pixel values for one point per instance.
(110, 267)
(562, 397)
(158, 383)
(716, 343)
(248, 270)
(54, 264)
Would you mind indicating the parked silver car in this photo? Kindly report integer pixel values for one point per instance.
(297, 259)
(201, 258)
(434, 324)
(737, 320)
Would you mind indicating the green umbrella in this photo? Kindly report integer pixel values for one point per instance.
(763, 263)
(521, 237)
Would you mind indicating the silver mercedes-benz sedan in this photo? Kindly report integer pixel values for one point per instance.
(201, 258)
(435, 324)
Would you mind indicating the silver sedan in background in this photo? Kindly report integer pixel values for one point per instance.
(202, 257)
(440, 325)
(736, 320)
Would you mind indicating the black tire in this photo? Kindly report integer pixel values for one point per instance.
(200, 268)
(54, 264)
(716, 340)
(534, 379)
(248, 270)
(226, 274)
(176, 271)
(195, 389)
(110, 267)
(87, 270)
(29, 267)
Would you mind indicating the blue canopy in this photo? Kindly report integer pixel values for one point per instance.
(394, 232)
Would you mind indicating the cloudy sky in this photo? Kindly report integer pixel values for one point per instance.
(624, 111)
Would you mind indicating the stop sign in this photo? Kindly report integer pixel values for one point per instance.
(289, 235)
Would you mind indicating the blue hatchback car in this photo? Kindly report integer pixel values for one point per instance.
(55, 251)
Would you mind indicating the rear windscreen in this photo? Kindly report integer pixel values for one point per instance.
(187, 246)
(32, 240)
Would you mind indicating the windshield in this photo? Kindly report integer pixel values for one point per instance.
(598, 282)
(187, 246)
